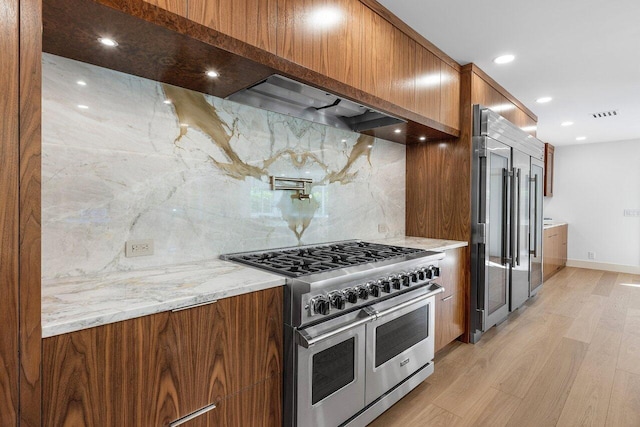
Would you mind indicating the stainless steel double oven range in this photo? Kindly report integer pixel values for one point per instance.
(359, 327)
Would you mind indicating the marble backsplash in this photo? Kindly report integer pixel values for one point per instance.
(120, 162)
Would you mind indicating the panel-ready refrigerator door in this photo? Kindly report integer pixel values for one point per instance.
(536, 214)
(494, 203)
(520, 226)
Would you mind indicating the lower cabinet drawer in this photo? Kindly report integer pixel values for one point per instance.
(449, 319)
(258, 406)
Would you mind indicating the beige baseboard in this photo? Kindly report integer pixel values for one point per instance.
(618, 268)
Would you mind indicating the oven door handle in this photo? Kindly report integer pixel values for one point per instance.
(436, 289)
(306, 340)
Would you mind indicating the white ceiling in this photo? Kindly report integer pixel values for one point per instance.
(583, 53)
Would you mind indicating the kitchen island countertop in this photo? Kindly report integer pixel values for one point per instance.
(75, 303)
(551, 224)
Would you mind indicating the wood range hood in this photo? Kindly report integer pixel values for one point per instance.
(158, 45)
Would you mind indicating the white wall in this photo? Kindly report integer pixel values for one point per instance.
(594, 184)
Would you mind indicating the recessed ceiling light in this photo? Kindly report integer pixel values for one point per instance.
(504, 59)
(566, 123)
(167, 101)
(544, 99)
(81, 83)
(343, 140)
(422, 138)
(581, 138)
(108, 42)
(397, 131)
(83, 107)
(212, 73)
(184, 125)
(370, 145)
(529, 128)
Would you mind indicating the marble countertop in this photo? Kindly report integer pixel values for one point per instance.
(76, 303)
(422, 243)
(551, 224)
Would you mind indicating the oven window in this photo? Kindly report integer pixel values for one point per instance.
(396, 336)
(333, 369)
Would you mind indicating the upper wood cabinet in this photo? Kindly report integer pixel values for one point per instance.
(179, 7)
(155, 369)
(377, 45)
(549, 160)
(322, 35)
(449, 96)
(428, 81)
(344, 40)
(252, 21)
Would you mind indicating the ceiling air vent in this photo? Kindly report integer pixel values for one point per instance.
(605, 114)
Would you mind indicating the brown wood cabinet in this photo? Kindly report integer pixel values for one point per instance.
(307, 36)
(362, 48)
(450, 305)
(155, 369)
(548, 169)
(554, 247)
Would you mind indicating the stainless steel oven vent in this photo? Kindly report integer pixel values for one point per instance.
(605, 114)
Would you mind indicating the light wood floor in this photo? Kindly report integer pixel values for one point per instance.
(569, 357)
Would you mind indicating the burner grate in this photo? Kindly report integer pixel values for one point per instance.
(297, 262)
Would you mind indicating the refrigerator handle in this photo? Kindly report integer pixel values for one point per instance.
(517, 204)
(505, 213)
(535, 216)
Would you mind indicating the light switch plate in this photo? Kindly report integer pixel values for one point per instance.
(133, 248)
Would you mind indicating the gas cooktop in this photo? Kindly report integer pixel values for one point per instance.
(304, 260)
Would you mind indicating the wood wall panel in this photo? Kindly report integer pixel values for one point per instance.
(450, 96)
(9, 223)
(20, 38)
(30, 211)
(307, 38)
(428, 80)
(155, 369)
(252, 21)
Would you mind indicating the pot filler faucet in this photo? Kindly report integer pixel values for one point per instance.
(299, 185)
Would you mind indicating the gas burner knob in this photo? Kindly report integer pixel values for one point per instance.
(351, 295)
(436, 271)
(429, 273)
(395, 282)
(320, 305)
(363, 291)
(421, 274)
(414, 276)
(404, 279)
(337, 299)
(374, 289)
(385, 285)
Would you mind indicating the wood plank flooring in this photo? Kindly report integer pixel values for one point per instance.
(569, 357)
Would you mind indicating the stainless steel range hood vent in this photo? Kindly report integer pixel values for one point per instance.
(286, 96)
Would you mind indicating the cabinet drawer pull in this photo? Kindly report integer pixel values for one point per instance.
(192, 415)
(447, 298)
(194, 306)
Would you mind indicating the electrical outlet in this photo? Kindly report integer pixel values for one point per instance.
(138, 248)
(382, 228)
(591, 255)
(632, 212)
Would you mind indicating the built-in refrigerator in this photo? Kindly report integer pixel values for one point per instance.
(506, 206)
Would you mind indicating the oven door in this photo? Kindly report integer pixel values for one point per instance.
(331, 364)
(400, 341)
